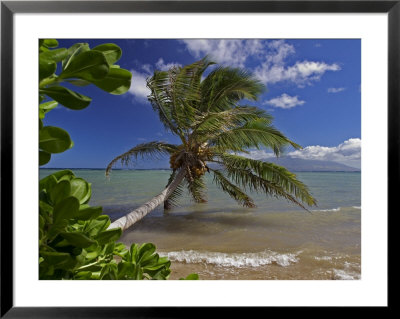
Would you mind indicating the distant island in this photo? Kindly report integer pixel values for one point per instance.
(303, 165)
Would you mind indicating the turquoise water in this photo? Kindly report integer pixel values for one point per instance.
(221, 240)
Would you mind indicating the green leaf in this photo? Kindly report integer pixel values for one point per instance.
(81, 190)
(95, 226)
(145, 250)
(109, 236)
(44, 157)
(161, 275)
(126, 270)
(90, 66)
(109, 272)
(191, 277)
(83, 275)
(89, 213)
(78, 82)
(78, 239)
(111, 51)
(60, 175)
(66, 97)
(54, 139)
(54, 55)
(41, 222)
(44, 207)
(40, 124)
(50, 43)
(46, 68)
(41, 114)
(133, 250)
(55, 258)
(66, 209)
(56, 228)
(73, 51)
(48, 106)
(117, 81)
(47, 182)
(61, 191)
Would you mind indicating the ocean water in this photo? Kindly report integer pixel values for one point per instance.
(222, 240)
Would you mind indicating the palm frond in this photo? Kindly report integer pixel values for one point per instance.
(151, 149)
(225, 86)
(173, 198)
(253, 134)
(211, 124)
(267, 177)
(161, 102)
(196, 187)
(232, 190)
(175, 94)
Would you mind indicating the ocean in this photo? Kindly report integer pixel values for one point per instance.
(222, 240)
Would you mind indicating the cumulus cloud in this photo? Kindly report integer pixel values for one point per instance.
(147, 68)
(162, 66)
(272, 55)
(285, 101)
(138, 87)
(335, 90)
(301, 73)
(232, 52)
(257, 154)
(275, 68)
(348, 153)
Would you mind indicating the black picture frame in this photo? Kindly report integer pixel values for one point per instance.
(9, 8)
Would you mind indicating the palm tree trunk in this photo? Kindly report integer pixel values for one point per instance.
(131, 218)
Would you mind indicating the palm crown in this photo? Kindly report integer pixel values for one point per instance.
(213, 127)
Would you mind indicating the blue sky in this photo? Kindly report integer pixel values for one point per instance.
(314, 95)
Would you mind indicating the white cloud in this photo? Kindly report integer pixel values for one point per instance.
(257, 154)
(348, 153)
(285, 101)
(138, 87)
(272, 55)
(335, 90)
(232, 52)
(274, 67)
(147, 67)
(162, 66)
(278, 51)
(301, 73)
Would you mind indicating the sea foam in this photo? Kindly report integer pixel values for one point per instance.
(341, 274)
(237, 260)
(350, 272)
(326, 210)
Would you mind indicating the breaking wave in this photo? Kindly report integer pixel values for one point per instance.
(237, 260)
(341, 274)
(337, 209)
(351, 271)
(326, 210)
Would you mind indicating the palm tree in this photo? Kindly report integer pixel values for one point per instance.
(213, 128)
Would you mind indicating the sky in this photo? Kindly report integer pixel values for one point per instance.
(313, 93)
